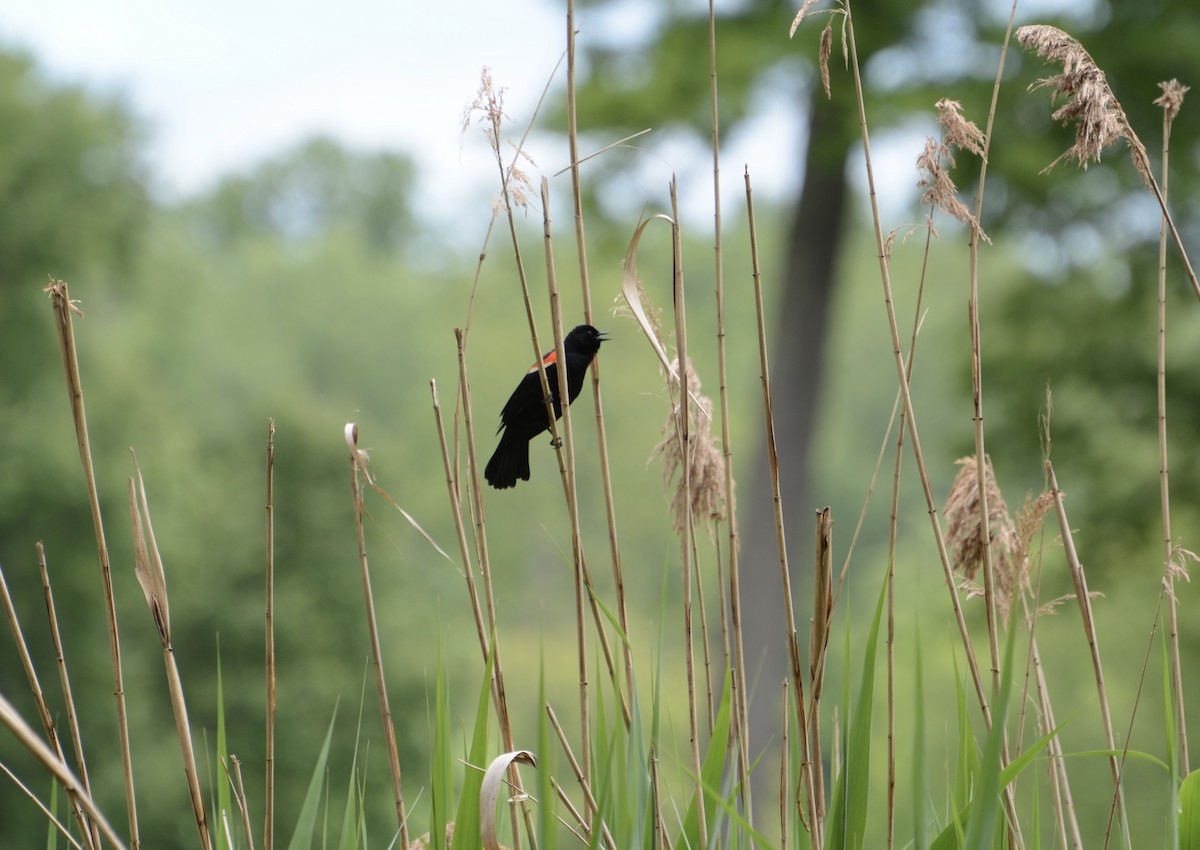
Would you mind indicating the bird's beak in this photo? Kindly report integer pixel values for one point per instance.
(604, 336)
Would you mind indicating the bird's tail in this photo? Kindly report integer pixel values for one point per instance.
(509, 462)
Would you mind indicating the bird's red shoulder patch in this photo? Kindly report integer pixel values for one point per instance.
(548, 360)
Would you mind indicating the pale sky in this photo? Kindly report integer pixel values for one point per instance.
(222, 84)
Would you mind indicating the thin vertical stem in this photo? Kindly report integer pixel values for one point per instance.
(683, 427)
(806, 765)
(389, 729)
(735, 593)
(586, 291)
(39, 699)
(61, 301)
(1163, 478)
(269, 794)
(65, 681)
(1079, 579)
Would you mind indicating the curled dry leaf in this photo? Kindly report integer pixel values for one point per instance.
(489, 793)
(631, 289)
(148, 566)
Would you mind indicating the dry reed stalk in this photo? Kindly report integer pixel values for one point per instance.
(39, 699)
(976, 234)
(733, 610)
(63, 307)
(885, 277)
(1171, 101)
(64, 681)
(29, 739)
(459, 526)
(660, 825)
(806, 766)
(269, 782)
(822, 623)
(153, 580)
(239, 797)
(1079, 579)
(499, 694)
(581, 776)
(586, 292)
(566, 455)
(62, 828)
(702, 607)
(898, 356)
(481, 549)
(575, 813)
(1064, 803)
(784, 771)
(358, 470)
(688, 532)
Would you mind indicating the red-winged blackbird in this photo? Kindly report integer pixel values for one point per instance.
(524, 416)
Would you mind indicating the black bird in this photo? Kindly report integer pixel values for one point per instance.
(524, 416)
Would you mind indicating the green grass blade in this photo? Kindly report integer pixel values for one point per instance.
(225, 800)
(1189, 812)
(52, 830)
(847, 823)
(547, 826)
(919, 778)
(985, 814)
(711, 771)
(302, 835)
(466, 821)
(442, 769)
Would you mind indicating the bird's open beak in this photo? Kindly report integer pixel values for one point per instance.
(604, 336)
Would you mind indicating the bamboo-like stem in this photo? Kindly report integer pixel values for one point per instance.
(39, 699)
(818, 640)
(499, 694)
(485, 568)
(29, 739)
(460, 530)
(269, 790)
(740, 713)
(575, 813)
(1064, 807)
(64, 681)
(898, 357)
(61, 302)
(63, 829)
(705, 655)
(601, 433)
(239, 795)
(385, 710)
(806, 765)
(683, 429)
(931, 505)
(893, 528)
(785, 771)
(981, 464)
(581, 776)
(1079, 579)
(566, 454)
(1164, 477)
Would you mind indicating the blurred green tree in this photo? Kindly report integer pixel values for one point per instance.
(304, 193)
